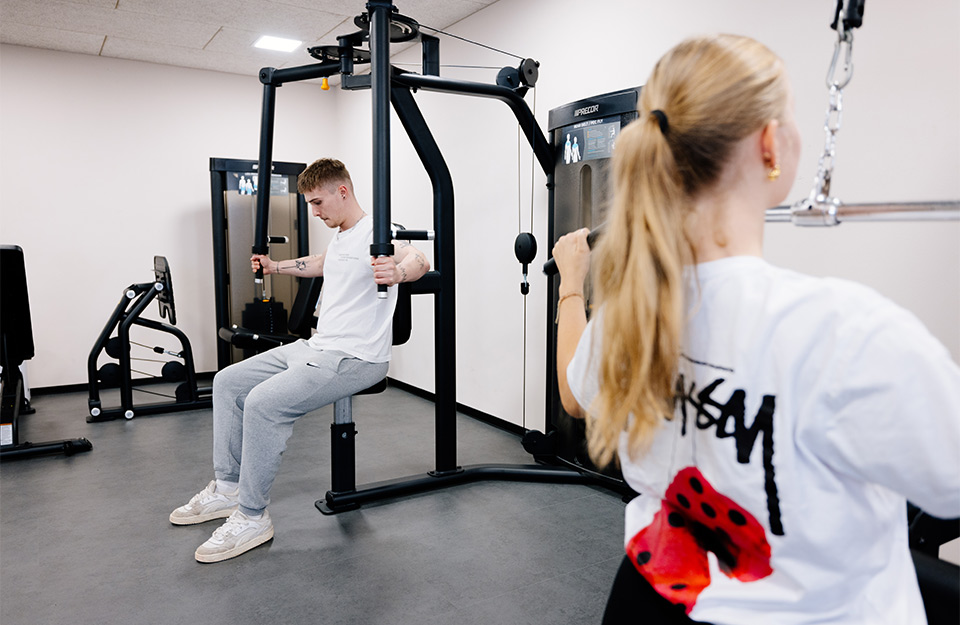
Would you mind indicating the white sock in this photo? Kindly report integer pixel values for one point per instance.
(227, 488)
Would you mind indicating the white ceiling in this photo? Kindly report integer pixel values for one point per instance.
(206, 34)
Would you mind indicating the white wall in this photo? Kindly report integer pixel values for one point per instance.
(103, 163)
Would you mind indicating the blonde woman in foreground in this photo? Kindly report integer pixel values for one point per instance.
(774, 423)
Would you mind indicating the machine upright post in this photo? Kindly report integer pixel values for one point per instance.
(431, 54)
(148, 293)
(220, 270)
(380, 11)
(265, 163)
(445, 302)
(343, 458)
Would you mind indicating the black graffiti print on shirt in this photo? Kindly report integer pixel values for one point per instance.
(730, 420)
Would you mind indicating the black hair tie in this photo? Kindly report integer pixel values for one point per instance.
(661, 119)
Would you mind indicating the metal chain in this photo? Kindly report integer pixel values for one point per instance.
(831, 126)
(820, 208)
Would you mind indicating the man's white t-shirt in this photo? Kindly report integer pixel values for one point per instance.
(807, 411)
(352, 318)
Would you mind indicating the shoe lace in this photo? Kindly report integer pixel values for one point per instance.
(232, 527)
(201, 496)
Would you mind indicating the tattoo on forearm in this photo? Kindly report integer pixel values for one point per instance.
(301, 265)
(403, 273)
(419, 260)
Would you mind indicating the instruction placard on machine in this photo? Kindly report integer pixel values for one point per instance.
(246, 184)
(590, 139)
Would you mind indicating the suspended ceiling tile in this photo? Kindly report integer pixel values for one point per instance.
(202, 11)
(438, 14)
(240, 42)
(106, 4)
(345, 27)
(271, 18)
(21, 11)
(49, 38)
(229, 40)
(96, 20)
(337, 7)
(182, 57)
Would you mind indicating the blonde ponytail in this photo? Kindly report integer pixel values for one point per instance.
(639, 280)
(703, 97)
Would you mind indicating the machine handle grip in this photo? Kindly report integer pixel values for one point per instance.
(377, 250)
(550, 267)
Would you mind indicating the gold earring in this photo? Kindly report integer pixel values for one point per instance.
(774, 173)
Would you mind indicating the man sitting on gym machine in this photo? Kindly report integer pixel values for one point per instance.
(256, 401)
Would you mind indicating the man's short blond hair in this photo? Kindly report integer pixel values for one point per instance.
(323, 173)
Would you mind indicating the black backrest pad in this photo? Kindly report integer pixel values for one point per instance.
(161, 272)
(15, 325)
(402, 316)
(302, 318)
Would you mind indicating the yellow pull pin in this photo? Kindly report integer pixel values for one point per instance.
(325, 85)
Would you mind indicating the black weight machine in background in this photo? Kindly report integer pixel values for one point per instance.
(240, 311)
(584, 134)
(16, 346)
(128, 313)
(389, 85)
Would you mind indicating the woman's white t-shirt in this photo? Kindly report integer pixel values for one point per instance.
(807, 411)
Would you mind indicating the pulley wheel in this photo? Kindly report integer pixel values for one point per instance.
(402, 28)
(331, 54)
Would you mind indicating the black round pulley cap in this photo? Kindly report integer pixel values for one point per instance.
(525, 247)
(508, 77)
(529, 72)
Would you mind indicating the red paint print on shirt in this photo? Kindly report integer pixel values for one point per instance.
(671, 552)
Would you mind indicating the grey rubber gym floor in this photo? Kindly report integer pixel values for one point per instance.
(86, 539)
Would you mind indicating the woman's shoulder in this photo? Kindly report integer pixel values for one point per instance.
(824, 296)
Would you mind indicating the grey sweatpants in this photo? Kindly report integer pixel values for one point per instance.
(256, 402)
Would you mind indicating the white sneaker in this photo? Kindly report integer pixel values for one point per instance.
(205, 506)
(238, 535)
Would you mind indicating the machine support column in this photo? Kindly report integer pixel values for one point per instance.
(380, 87)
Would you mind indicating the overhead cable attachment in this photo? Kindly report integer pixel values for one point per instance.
(820, 208)
(821, 205)
(850, 16)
